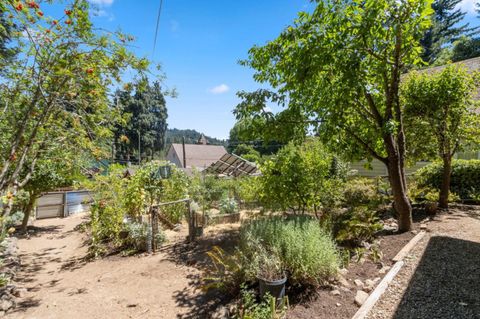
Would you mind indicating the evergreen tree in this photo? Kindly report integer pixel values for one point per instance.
(446, 27)
(147, 123)
(6, 28)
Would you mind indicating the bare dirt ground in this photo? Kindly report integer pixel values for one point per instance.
(61, 284)
(441, 275)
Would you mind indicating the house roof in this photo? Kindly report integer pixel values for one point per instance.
(199, 155)
(471, 65)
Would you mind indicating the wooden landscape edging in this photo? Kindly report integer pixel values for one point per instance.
(383, 285)
(406, 249)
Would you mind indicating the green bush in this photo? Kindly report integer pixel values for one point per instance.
(138, 235)
(465, 181)
(306, 251)
(357, 225)
(146, 187)
(265, 309)
(228, 205)
(303, 178)
(361, 192)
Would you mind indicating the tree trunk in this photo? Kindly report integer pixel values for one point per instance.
(445, 187)
(396, 175)
(27, 211)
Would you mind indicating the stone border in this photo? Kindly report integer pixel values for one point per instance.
(383, 285)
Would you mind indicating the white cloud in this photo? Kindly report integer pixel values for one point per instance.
(467, 6)
(105, 3)
(219, 89)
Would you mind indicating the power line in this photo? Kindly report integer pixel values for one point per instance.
(157, 27)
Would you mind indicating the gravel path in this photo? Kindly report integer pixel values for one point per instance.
(441, 275)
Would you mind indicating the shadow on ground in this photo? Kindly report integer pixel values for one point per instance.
(203, 303)
(445, 283)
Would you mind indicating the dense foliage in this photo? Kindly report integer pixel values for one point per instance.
(338, 68)
(442, 118)
(304, 248)
(447, 26)
(147, 187)
(465, 180)
(299, 178)
(147, 122)
(174, 135)
(119, 203)
(57, 90)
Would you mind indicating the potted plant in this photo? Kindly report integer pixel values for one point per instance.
(271, 274)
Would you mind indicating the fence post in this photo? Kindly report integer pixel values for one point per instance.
(191, 222)
(154, 228)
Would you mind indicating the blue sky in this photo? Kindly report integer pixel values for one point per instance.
(199, 45)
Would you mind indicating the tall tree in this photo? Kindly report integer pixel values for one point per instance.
(446, 27)
(7, 52)
(441, 110)
(147, 123)
(461, 49)
(59, 83)
(338, 69)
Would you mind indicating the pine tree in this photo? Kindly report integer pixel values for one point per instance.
(6, 53)
(147, 123)
(446, 27)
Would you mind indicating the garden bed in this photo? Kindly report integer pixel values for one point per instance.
(338, 300)
(222, 219)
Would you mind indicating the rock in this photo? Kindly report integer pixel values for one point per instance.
(338, 304)
(6, 304)
(358, 283)
(377, 279)
(369, 285)
(343, 271)
(220, 313)
(177, 227)
(343, 282)
(360, 297)
(335, 292)
(423, 227)
(414, 232)
(384, 269)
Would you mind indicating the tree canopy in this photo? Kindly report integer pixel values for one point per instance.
(147, 121)
(58, 90)
(447, 27)
(338, 70)
(441, 116)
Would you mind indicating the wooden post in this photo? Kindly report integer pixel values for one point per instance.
(191, 223)
(154, 228)
(184, 155)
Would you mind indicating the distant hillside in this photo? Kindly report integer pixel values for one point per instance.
(191, 137)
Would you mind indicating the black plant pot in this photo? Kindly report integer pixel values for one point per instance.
(275, 288)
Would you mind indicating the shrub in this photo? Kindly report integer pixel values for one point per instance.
(357, 225)
(227, 273)
(301, 178)
(228, 205)
(138, 235)
(108, 209)
(146, 187)
(306, 251)
(361, 191)
(465, 180)
(265, 309)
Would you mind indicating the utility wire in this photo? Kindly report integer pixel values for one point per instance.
(157, 27)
